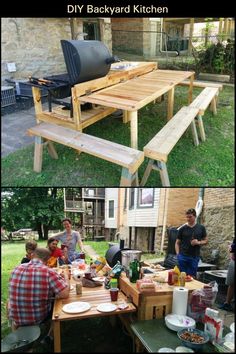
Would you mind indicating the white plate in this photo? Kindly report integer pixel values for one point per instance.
(183, 350)
(232, 327)
(106, 307)
(76, 307)
(178, 322)
(101, 279)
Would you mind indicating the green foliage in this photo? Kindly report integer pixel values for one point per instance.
(217, 58)
(32, 208)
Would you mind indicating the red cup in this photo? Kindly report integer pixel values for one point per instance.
(82, 255)
(88, 275)
(114, 294)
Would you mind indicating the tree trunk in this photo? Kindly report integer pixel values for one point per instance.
(45, 231)
(39, 230)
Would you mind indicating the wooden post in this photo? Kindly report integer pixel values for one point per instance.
(51, 150)
(201, 128)
(125, 117)
(147, 172)
(164, 174)
(213, 106)
(194, 132)
(38, 154)
(128, 179)
(57, 336)
(190, 90)
(191, 28)
(133, 118)
(170, 103)
(76, 109)
(37, 102)
(220, 29)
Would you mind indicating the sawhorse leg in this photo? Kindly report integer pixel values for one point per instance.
(38, 152)
(201, 127)
(194, 133)
(128, 179)
(159, 166)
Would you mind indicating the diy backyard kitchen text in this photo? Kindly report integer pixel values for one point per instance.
(111, 10)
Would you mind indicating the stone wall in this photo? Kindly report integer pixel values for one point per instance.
(33, 44)
(127, 35)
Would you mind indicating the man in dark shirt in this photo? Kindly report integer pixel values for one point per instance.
(187, 246)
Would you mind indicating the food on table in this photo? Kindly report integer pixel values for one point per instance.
(192, 337)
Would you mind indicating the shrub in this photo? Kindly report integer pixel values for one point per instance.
(217, 58)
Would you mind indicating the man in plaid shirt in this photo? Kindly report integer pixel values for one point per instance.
(31, 288)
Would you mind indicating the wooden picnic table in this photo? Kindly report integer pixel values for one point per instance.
(94, 296)
(136, 93)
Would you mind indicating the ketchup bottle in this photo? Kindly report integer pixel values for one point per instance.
(170, 277)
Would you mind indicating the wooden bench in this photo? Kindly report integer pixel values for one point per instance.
(202, 84)
(207, 97)
(130, 159)
(158, 149)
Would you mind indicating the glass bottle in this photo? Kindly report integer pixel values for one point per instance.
(134, 271)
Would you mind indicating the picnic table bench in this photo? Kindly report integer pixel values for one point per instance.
(130, 159)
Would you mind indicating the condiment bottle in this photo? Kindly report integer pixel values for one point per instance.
(78, 288)
(170, 277)
(182, 279)
(176, 274)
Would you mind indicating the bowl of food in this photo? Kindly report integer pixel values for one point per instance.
(193, 338)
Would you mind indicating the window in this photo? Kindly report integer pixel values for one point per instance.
(145, 197)
(111, 213)
(131, 198)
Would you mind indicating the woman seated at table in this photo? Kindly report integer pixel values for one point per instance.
(56, 253)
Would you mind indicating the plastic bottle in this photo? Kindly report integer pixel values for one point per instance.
(176, 275)
(182, 279)
(170, 277)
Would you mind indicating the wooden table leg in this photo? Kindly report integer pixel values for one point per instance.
(57, 336)
(133, 118)
(170, 103)
(190, 90)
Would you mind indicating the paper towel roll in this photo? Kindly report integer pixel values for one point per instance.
(180, 301)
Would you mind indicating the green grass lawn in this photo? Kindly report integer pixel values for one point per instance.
(209, 164)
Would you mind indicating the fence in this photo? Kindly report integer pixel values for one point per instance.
(181, 53)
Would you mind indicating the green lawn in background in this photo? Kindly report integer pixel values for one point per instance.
(209, 164)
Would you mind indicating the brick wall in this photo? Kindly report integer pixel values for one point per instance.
(178, 201)
(218, 197)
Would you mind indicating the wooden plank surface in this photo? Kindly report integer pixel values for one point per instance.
(107, 150)
(204, 98)
(115, 76)
(163, 142)
(139, 91)
(94, 296)
(202, 84)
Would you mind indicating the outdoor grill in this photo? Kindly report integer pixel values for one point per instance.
(85, 60)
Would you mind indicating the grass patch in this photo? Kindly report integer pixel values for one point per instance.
(209, 164)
